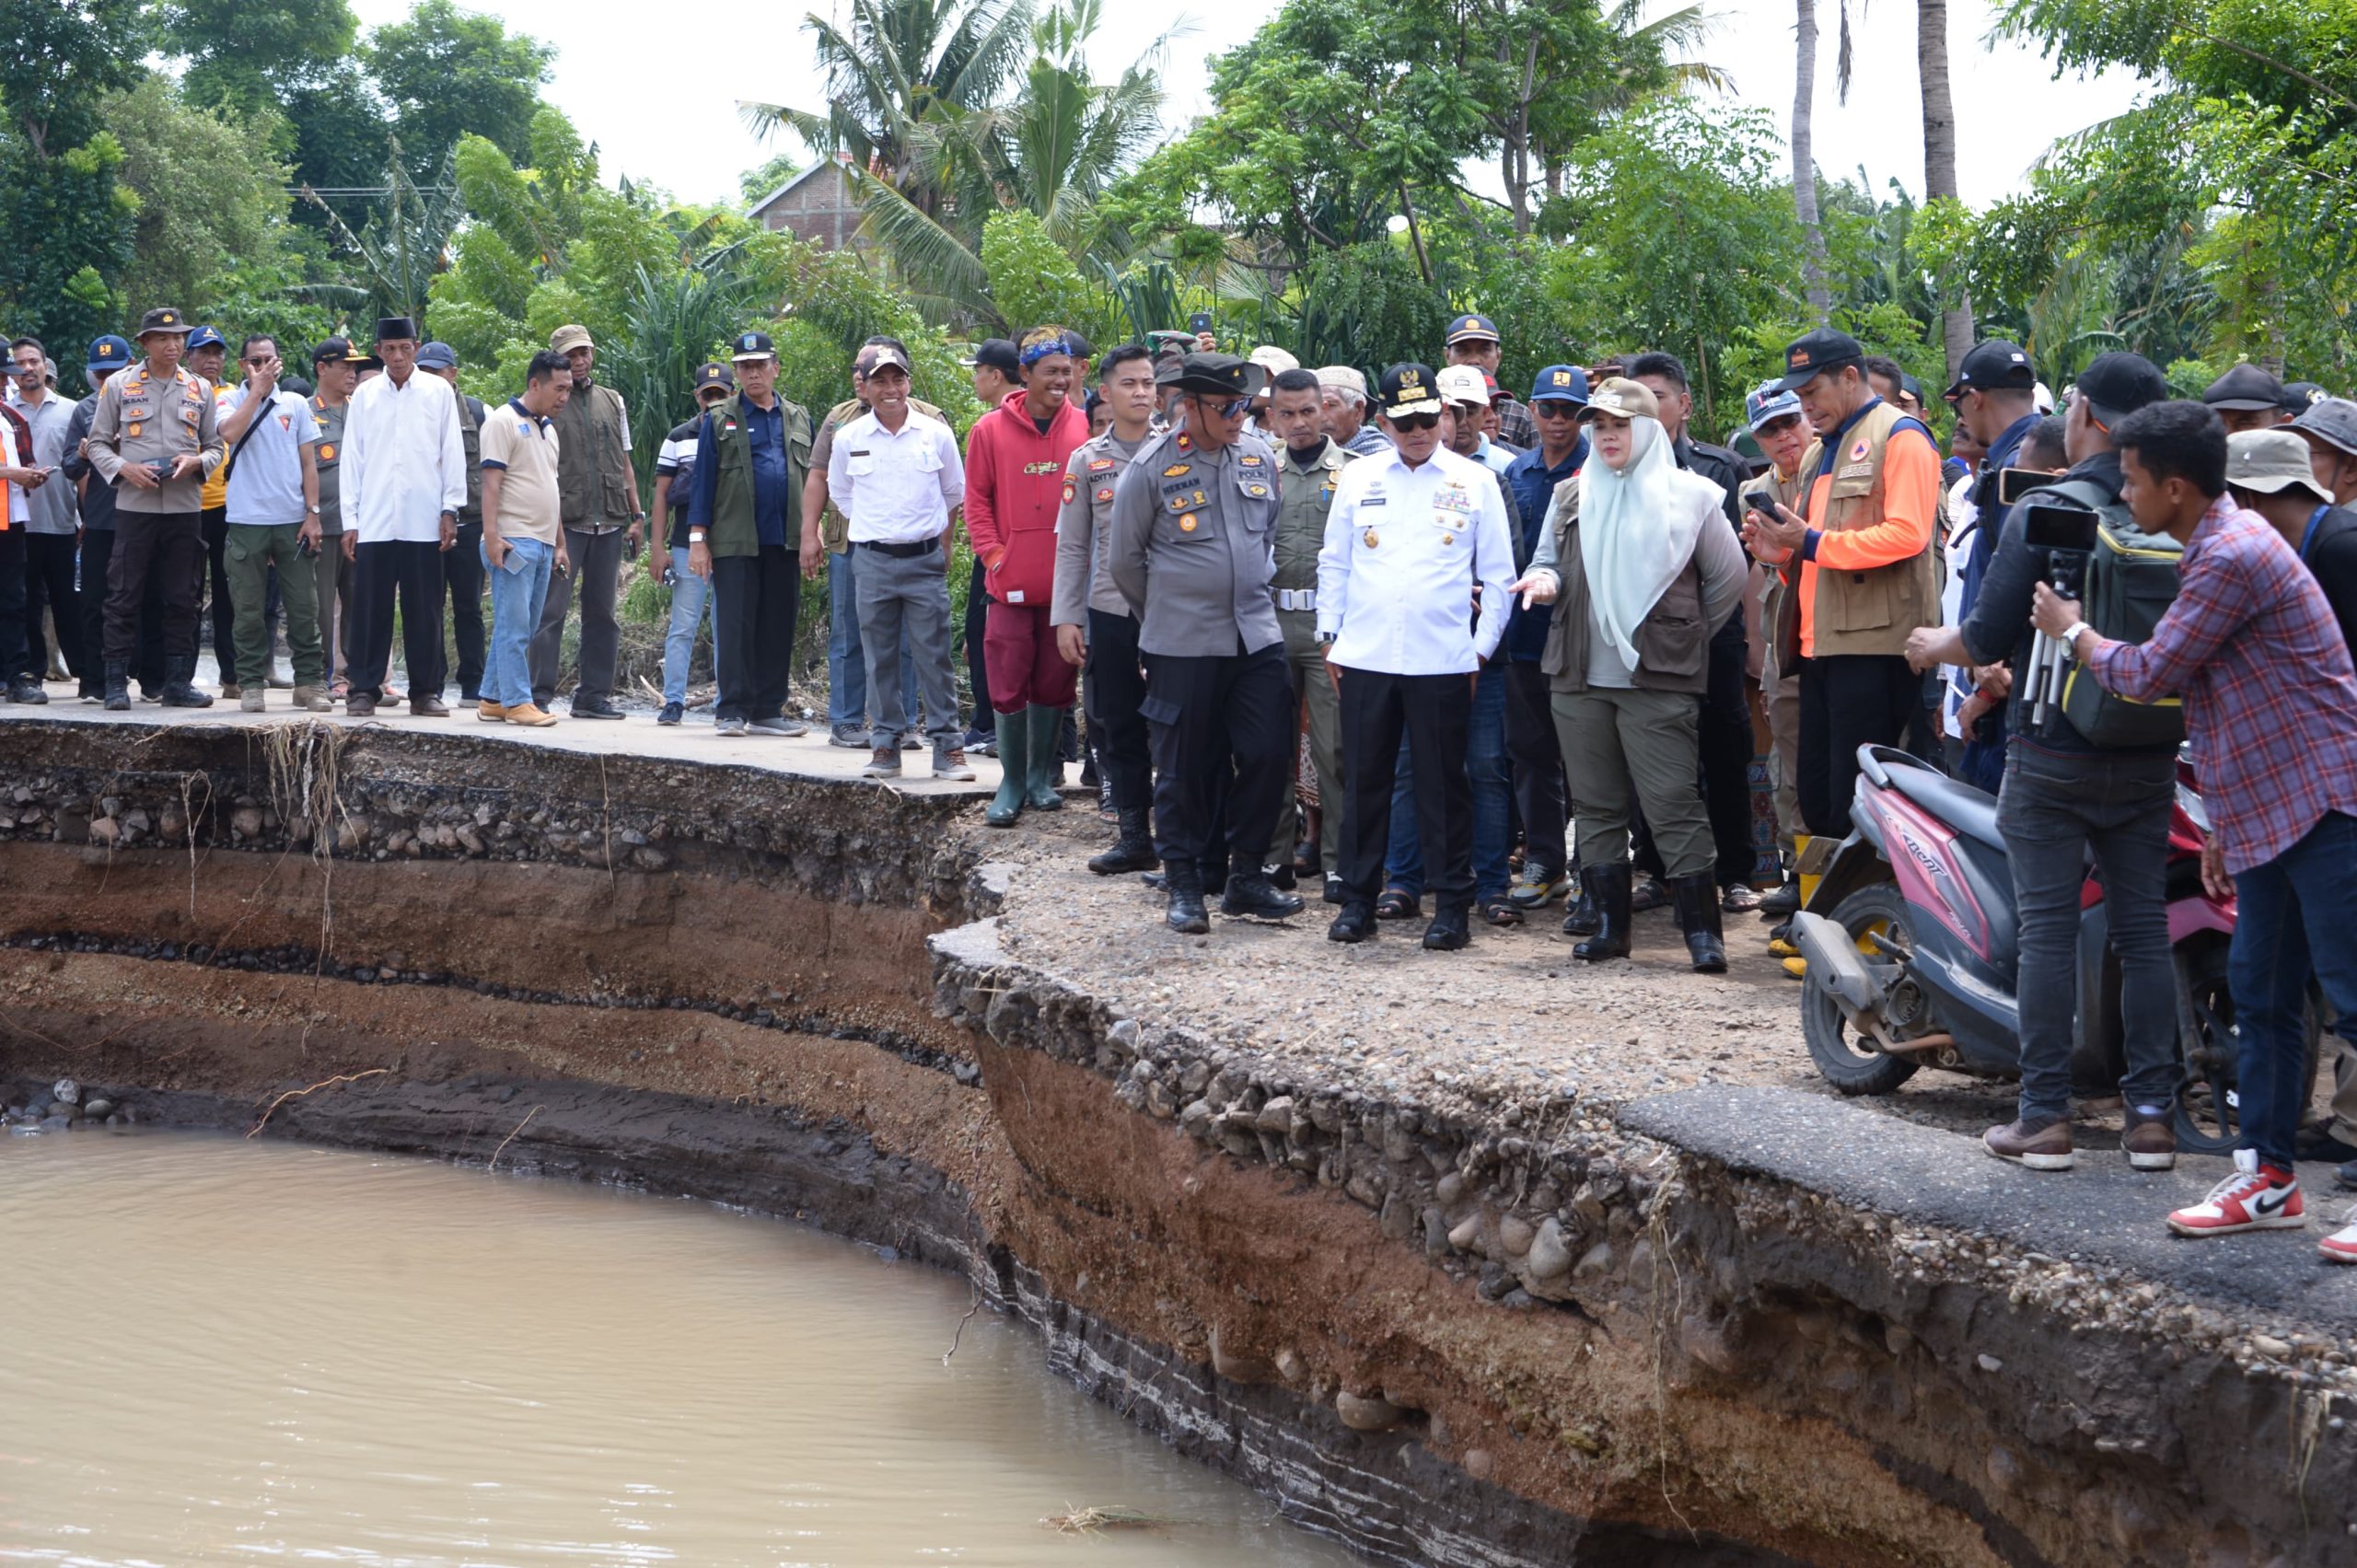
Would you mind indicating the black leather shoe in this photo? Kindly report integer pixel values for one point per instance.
(1449, 930)
(119, 685)
(1697, 902)
(1334, 894)
(594, 708)
(1611, 887)
(1778, 903)
(1185, 915)
(1355, 924)
(1583, 919)
(1132, 849)
(1252, 895)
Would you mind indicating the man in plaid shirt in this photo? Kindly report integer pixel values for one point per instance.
(2271, 708)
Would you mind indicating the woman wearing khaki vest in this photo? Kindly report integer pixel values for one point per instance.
(1640, 575)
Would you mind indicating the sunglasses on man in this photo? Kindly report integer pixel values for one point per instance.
(1415, 421)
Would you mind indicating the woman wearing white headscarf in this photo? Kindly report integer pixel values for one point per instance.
(1638, 559)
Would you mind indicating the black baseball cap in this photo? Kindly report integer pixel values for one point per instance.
(1993, 365)
(335, 351)
(713, 375)
(1406, 389)
(999, 355)
(2117, 385)
(2298, 395)
(1079, 347)
(1814, 353)
(2246, 387)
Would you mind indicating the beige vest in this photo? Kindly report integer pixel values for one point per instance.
(1870, 611)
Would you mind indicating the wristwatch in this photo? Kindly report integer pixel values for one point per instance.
(695, 536)
(2071, 637)
(315, 511)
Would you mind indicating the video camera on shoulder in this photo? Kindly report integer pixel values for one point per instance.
(2066, 537)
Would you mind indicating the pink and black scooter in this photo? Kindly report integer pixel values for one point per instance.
(1911, 939)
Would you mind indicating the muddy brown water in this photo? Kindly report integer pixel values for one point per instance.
(219, 1351)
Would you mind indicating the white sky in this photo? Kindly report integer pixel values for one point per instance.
(658, 94)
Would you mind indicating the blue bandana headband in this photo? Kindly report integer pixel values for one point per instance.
(1038, 352)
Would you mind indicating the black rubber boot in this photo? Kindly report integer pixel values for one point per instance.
(119, 684)
(1697, 901)
(1355, 924)
(180, 684)
(1583, 918)
(1133, 850)
(1251, 893)
(1450, 931)
(1185, 915)
(1610, 885)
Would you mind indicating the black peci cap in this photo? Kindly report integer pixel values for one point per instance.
(1813, 354)
(393, 329)
(2246, 387)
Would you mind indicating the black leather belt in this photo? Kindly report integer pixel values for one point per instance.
(900, 551)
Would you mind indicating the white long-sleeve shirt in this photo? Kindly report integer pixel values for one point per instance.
(1404, 549)
(404, 463)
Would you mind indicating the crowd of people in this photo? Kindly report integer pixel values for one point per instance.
(1390, 639)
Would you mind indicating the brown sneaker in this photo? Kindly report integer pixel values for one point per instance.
(2150, 1142)
(491, 712)
(883, 765)
(2043, 1147)
(427, 707)
(312, 699)
(359, 707)
(952, 764)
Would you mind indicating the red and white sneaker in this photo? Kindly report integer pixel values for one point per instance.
(2254, 1198)
(2340, 1247)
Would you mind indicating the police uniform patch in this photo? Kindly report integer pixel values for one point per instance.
(1100, 465)
(1070, 490)
(1183, 442)
(1255, 490)
(1187, 523)
(327, 452)
(1106, 493)
(1175, 469)
(1249, 461)
(133, 430)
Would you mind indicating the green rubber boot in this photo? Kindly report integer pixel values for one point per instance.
(1014, 751)
(1047, 770)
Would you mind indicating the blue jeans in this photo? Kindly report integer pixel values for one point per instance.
(2294, 917)
(1485, 761)
(690, 595)
(519, 591)
(846, 663)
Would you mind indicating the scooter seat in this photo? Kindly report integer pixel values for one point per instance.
(1969, 811)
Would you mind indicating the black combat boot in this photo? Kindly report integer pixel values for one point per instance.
(1131, 851)
(1251, 893)
(1449, 929)
(1355, 924)
(1185, 915)
(180, 683)
(119, 684)
(1610, 886)
(1697, 899)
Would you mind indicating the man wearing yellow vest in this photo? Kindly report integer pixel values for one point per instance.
(1867, 574)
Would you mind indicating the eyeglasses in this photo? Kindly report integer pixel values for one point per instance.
(1554, 408)
(1416, 422)
(1778, 426)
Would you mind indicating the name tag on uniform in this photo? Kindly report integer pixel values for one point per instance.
(1367, 501)
(1015, 595)
(1853, 470)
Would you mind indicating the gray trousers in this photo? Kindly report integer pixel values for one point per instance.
(2052, 811)
(597, 561)
(1312, 686)
(907, 595)
(1616, 742)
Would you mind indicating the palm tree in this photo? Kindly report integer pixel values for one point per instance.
(1050, 149)
(1646, 59)
(1821, 298)
(1939, 140)
(899, 66)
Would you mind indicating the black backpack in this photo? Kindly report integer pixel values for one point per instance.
(2131, 581)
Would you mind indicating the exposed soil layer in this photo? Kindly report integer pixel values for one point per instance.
(1431, 1253)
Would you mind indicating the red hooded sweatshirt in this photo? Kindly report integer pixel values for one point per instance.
(1015, 484)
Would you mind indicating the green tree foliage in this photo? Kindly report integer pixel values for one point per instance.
(447, 72)
(251, 53)
(1034, 281)
(211, 192)
(67, 215)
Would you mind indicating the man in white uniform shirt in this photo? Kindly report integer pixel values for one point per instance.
(896, 476)
(1409, 540)
(404, 480)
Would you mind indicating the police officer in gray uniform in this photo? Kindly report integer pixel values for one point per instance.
(1193, 517)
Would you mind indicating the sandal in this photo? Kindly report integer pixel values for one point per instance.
(1498, 911)
(1649, 895)
(1395, 905)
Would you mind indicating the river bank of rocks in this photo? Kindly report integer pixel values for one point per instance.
(61, 1107)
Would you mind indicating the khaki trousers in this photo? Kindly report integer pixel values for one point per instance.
(1306, 662)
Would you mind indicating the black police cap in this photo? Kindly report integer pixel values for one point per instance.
(2246, 387)
(1218, 374)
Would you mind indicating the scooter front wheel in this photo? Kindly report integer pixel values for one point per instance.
(1852, 1062)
